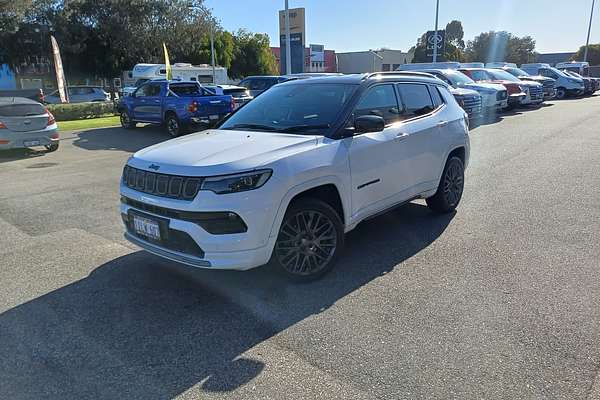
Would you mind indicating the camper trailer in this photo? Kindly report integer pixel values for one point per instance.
(180, 71)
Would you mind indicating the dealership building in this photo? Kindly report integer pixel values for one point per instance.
(372, 60)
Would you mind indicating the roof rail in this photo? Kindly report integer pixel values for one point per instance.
(405, 73)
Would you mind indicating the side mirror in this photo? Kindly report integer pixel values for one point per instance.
(368, 123)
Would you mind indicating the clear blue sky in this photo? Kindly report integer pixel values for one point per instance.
(352, 25)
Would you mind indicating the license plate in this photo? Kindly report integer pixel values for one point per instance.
(146, 227)
(30, 143)
(213, 117)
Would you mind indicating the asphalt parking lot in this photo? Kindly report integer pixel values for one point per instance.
(500, 300)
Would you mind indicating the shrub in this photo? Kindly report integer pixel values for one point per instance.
(75, 111)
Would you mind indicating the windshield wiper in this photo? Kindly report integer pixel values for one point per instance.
(257, 127)
(302, 128)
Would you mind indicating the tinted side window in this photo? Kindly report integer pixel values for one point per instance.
(435, 96)
(153, 90)
(379, 100)
(416, 99)
(479, 75)
(142, 91)
(258, 84)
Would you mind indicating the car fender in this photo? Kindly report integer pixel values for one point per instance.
(303, 187)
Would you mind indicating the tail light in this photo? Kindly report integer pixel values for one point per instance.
(51, 119)
(2, 126)
(40, 96)
(233, 105)
(193, 107)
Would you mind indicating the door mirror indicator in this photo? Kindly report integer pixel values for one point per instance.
(368, 123)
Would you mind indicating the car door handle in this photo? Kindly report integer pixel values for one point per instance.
(401, 136)
(441, 124)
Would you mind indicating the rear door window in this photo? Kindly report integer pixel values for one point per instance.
(186, 90)
(435, 96)
(416, 99)
(379, 100)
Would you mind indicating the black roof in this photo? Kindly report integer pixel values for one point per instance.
(406, 76)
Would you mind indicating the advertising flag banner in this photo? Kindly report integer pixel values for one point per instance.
(60, 73)
(167, 63)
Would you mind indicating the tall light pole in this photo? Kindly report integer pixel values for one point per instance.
(212, 50)
(435, 36)
(288, 50)
(587, 42)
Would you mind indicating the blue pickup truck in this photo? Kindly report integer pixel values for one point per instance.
(174, 104)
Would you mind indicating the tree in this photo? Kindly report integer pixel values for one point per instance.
(593, 54)
(453, 49)
(500, 46)
(455, 34)
(252, 55)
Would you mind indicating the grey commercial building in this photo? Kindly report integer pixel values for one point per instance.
(553, 58)
(367, 61)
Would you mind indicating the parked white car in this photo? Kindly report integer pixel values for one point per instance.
(283, 178)
(26, 123)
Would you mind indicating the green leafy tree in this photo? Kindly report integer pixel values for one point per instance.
(593, 54)
(500, 46)
(252, 55)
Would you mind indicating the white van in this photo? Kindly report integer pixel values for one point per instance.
(581, 67)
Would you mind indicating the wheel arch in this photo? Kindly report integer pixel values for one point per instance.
(328, 189)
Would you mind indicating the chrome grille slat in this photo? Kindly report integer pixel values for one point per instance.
(162, 185)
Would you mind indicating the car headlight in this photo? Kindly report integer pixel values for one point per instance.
(236, 183)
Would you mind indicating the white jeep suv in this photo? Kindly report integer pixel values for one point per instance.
(284, 177)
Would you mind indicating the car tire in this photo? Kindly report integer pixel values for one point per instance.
(450, 188)
(561, 93)
(309, 242)
(173, 126)
(51, 147)
(126, 121)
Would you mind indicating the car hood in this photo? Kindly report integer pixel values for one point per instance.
(485, 87)
(214, 152)
(530, 84)
(463, 92)
(536, 78)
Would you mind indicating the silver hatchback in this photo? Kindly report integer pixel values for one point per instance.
(26, 123)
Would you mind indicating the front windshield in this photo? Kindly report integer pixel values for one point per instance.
(503, 75)
(458, 78)
(293, 108)
(517, 72)
(559, 72)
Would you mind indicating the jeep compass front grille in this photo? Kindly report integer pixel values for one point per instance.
(171, 186)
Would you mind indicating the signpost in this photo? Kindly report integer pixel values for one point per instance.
(295, 31)
(436, 44)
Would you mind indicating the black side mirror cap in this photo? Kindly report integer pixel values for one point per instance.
(368, 123)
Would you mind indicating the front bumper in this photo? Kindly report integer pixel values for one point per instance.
(19, 140)
(516, 98)
(236, 251)
(490, 104)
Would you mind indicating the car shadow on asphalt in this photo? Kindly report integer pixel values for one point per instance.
(117, 138)
(20, 154)
(139, 326)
